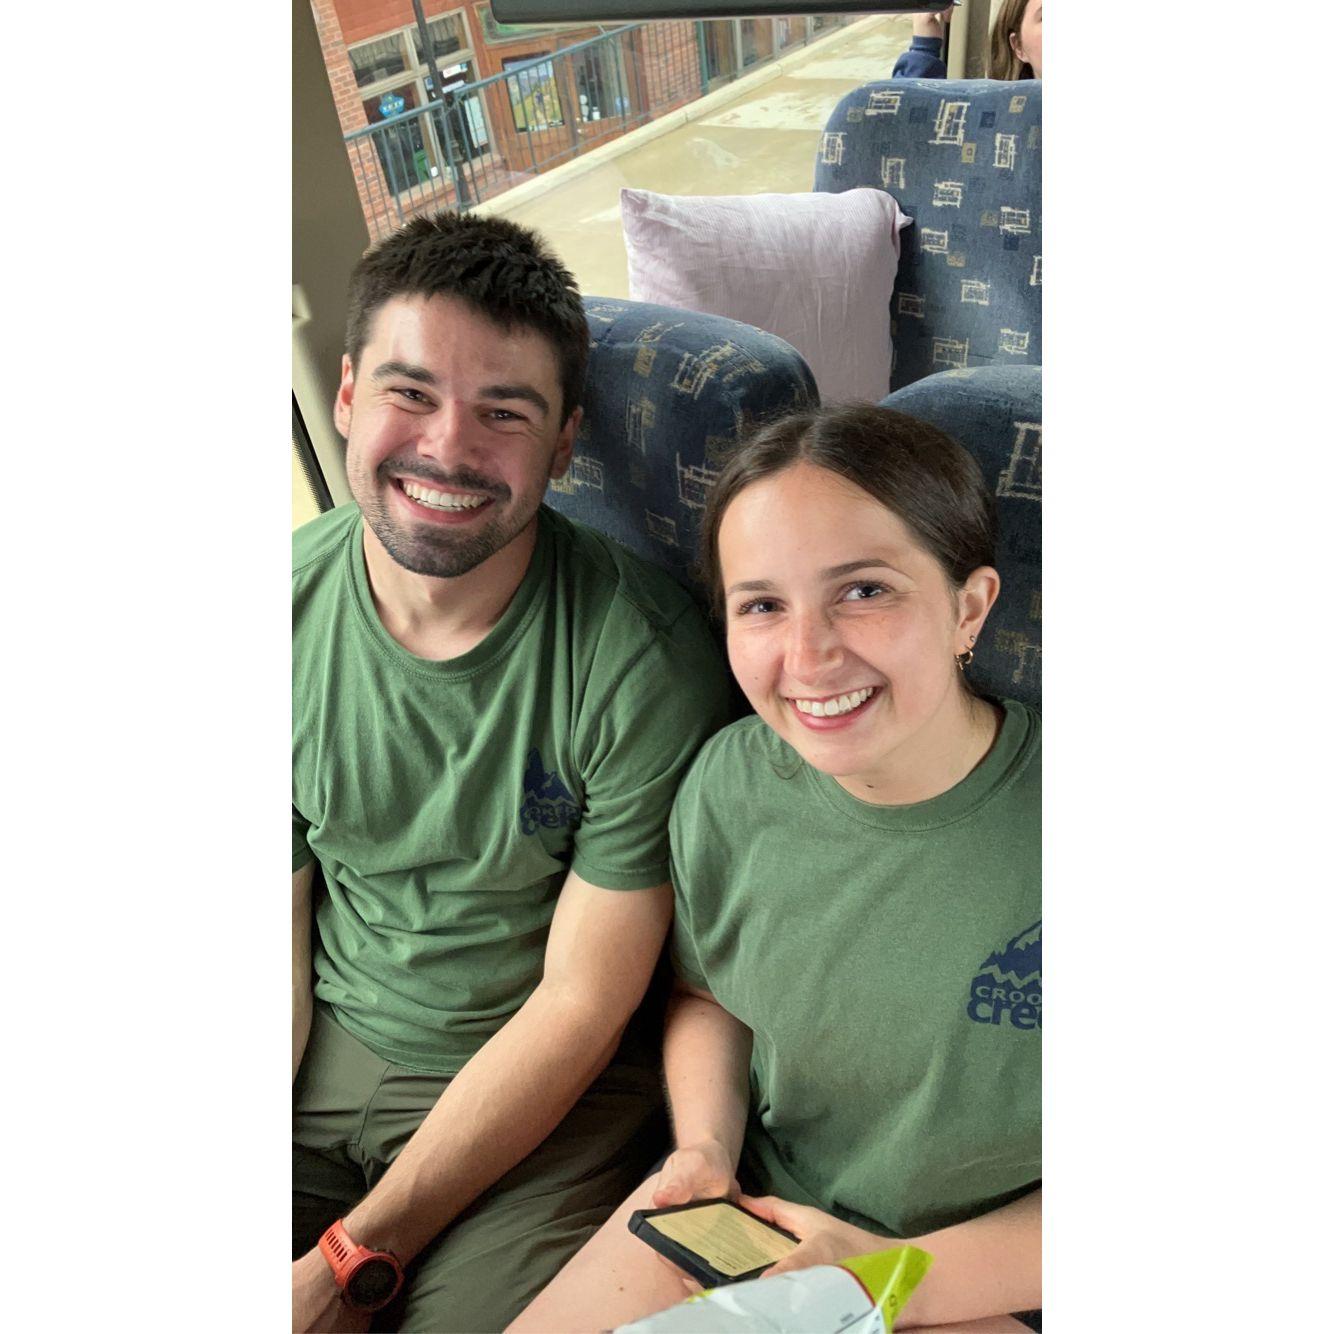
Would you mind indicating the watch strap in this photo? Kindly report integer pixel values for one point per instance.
(344, 1257)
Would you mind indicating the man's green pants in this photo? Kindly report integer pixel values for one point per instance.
(354, 1112)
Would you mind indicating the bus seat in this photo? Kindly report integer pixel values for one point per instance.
(995, 412)
(668, 395)
(963, 158)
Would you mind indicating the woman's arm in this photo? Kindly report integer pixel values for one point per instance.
(986, 1266)
(615, 1278)
(706, 1060)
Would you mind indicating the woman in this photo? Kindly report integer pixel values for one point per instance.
(855, 1033)
(1016, 44)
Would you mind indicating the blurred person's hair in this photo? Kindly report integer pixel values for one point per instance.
(1002, 62)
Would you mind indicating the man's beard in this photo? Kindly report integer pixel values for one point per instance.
(442, 552)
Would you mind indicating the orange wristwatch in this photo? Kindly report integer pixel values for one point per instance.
(366, 1279)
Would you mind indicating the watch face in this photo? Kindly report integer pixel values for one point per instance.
(371, 1285)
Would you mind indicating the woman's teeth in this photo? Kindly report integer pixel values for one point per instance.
(831, 708)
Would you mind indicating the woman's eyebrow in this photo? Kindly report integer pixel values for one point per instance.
(867, 563)
(833, 572)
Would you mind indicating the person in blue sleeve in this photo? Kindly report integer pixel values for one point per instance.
(1015, 48)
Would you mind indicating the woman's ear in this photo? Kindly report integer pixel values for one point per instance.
(1017, 49)
(976, 599)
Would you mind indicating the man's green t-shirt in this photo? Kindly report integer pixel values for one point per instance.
(447, 801)
(889, 962)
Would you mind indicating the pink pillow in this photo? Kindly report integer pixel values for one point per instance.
(815, 269)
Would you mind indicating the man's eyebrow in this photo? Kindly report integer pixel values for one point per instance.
(526, 392)
(388, 369)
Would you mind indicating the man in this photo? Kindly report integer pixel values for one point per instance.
(492, 709)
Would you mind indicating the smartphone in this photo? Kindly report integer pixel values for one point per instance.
(714, 1241)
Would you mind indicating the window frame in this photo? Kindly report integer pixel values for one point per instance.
(417, 72)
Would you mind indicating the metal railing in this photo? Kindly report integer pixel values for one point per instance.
(484, 138)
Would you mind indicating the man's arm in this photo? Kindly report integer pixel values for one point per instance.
(924, 58)
(931, 23)
(512, 1094)
(303, 1000)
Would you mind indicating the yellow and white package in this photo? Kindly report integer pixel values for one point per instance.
(862, 1295)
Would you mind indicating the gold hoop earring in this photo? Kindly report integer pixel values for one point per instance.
(962, 660)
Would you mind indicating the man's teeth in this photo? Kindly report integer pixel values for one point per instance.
(442, 500)
(831, 708)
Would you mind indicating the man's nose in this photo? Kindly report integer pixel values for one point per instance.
(447, 437)
(813, 645)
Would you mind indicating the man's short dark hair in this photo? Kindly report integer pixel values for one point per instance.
(501, 269)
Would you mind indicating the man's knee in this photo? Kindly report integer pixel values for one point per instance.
(612, 1279)
(487, 1267)
(474, 1288)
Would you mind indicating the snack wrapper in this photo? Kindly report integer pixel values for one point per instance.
(862, 1295)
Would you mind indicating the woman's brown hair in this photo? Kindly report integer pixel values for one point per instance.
(914, 470)
(1003, 63)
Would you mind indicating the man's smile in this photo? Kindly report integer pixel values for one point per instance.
(442, 500)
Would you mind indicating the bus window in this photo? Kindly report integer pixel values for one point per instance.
(544, 123)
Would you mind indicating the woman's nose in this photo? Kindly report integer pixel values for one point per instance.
(813, 646)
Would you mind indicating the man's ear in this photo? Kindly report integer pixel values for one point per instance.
(560, 462)
(976, 599)
(343, 399)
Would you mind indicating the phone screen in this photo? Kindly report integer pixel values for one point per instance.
(727, 1238)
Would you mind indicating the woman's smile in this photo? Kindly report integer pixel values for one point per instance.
(831, 712)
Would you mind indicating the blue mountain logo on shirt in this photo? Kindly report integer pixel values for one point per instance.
(547, 802)
(1008, 985)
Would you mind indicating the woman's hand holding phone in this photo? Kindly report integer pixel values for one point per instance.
(824, 1239)
(702, 1171)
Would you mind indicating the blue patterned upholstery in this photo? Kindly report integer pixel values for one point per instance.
(964, 160)
(995, 412)
(669, 393)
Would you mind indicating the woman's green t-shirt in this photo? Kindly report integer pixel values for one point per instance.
(888, 960)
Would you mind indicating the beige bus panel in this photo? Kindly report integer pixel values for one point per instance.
(328, 237)
(969, 32)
